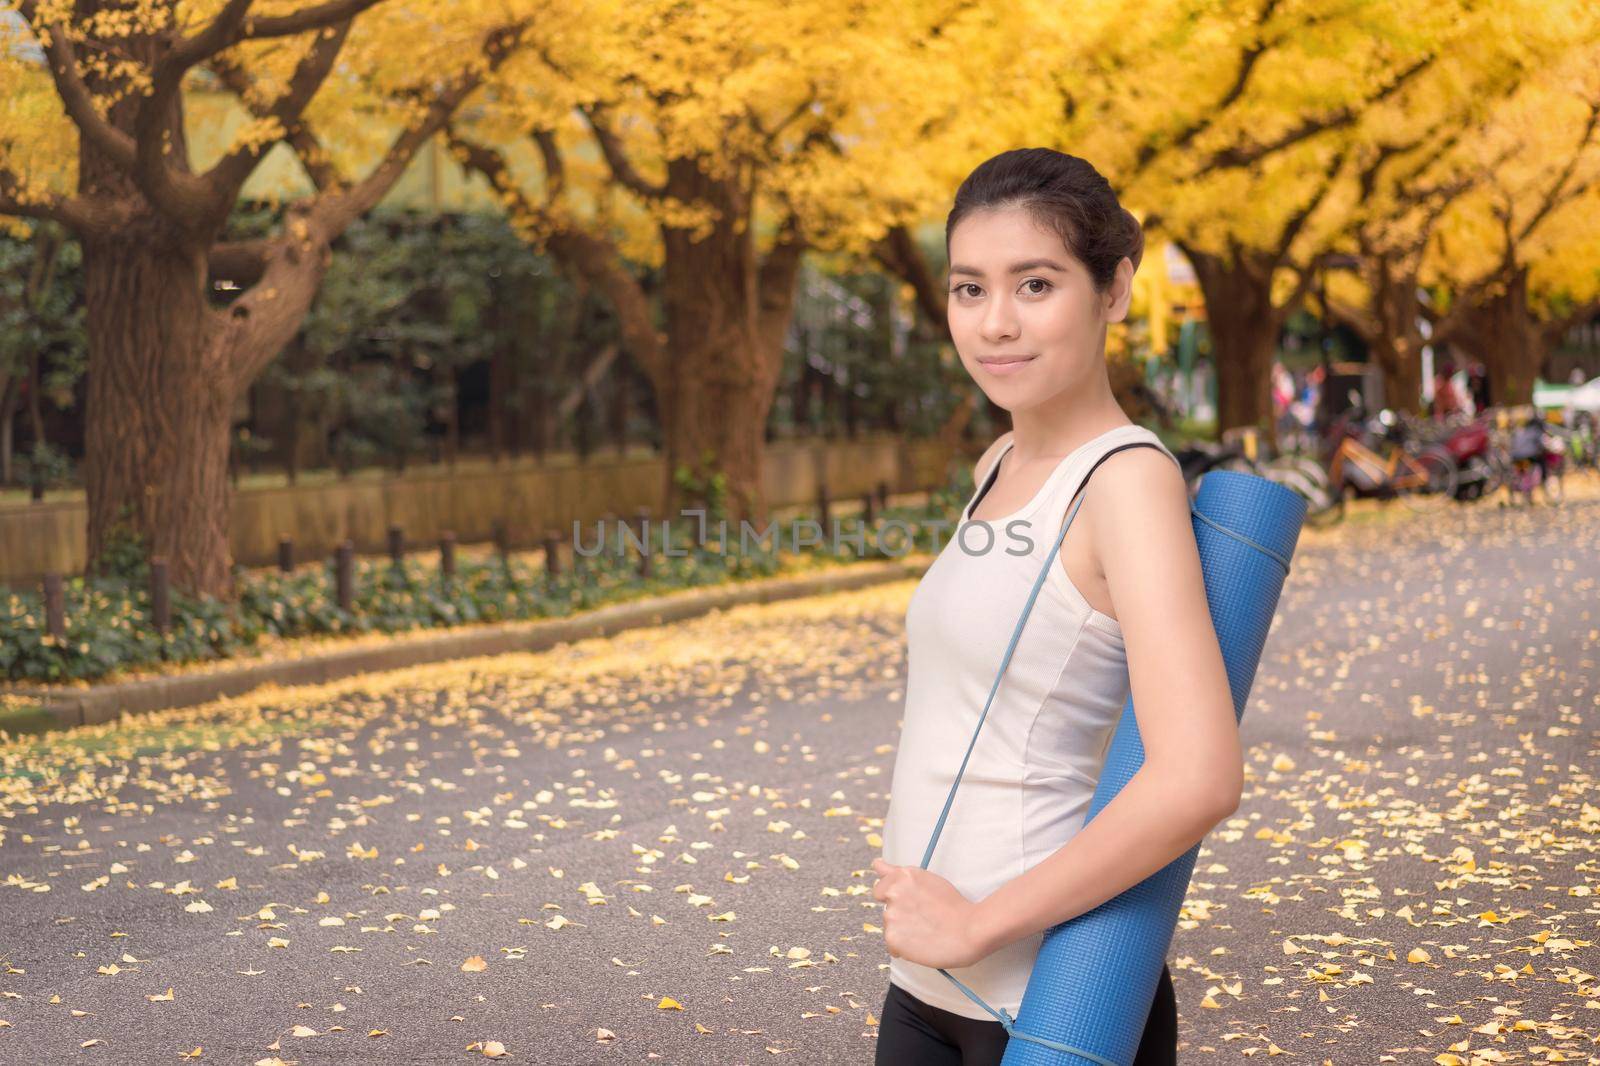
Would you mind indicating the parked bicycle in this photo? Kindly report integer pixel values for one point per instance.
(1377, 457)
(1484, 467)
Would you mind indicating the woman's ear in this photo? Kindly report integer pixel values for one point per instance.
(1120, 294)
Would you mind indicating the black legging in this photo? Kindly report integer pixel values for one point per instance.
(914, 1033)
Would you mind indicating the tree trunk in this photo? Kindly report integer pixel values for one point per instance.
(1501, 331)
(158, 410)
(1244, 332)
(1396, 344)
(727, 312)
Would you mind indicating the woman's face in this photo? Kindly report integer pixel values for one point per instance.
(1024, 314)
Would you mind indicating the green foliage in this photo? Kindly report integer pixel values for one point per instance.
(123, 555)
(707, 489)
(44, 466)
(858, 341)
(40, 312)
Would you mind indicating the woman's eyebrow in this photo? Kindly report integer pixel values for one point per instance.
(1016, 268)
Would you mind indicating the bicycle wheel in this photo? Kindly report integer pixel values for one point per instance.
(1308, 468)
(1476, 479)
(1437, 487)
(1499, 472)
(1328, 508)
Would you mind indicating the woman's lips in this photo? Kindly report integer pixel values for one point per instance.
(1003, 365)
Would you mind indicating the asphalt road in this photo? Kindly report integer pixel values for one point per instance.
(657, 847)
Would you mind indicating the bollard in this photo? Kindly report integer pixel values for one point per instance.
(55, 609)
(552, 553)
(646, 555)
(447, 554)
(344, 565)
(502, 541)
(822, 504)
(867, 509)
(160, 596)
(883, 495)
(397, 545)
(285, 555)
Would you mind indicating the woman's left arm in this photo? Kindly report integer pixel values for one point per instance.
(1193, 772)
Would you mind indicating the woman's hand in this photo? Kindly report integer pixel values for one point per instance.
(926, 919)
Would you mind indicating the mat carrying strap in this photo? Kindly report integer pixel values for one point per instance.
(1003, 1016)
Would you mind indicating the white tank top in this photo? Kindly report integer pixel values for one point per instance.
(1027, 786)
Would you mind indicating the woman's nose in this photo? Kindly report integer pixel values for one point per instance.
(999, 323)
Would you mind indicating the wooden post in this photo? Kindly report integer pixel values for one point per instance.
(285, 555)
(646, 556)
(552, 552)
(867, 509)
(502, 540)
(822, 504)
(160, 596)
(55, 609)
(447, 554)
(397, 545)
(883, 495)
(344, 575)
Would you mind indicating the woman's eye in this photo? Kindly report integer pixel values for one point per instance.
(959, 289)
(1038, 281)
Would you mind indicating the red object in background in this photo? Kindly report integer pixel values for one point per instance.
(1470, 440)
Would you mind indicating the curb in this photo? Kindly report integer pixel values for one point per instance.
(97, 704)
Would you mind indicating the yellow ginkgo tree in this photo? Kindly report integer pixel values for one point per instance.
(1258, 234)
(95, 138)
(1515, 261)
(722, 141)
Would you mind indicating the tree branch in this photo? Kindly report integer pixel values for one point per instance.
(1297, 221)
(335, 209)
(75, 95)
(593, 258)
(241, 262)
(1241, 155)
(85, 215)
(311, 18)
(1558, 193)
(229, 174)
(1241, 81)
(775, 283)
(555, 171)
(898, 252)
(616, 157)
(297, 134)
(1362, 321)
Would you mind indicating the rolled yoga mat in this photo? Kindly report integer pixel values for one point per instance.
(1095, 976)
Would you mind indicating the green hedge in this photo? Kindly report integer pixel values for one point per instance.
(108, 624)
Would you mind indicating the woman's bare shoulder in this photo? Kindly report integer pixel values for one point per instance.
(1142, 498)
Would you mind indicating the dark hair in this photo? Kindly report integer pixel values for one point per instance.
(1063, 193)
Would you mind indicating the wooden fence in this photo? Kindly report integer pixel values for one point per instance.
(523, 497)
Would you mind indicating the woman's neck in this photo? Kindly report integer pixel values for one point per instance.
(1069, 420)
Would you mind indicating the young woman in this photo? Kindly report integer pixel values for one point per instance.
(1042, 258)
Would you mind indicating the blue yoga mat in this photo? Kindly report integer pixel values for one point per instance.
(1095, 976)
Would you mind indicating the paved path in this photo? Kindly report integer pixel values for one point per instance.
(656, 848)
